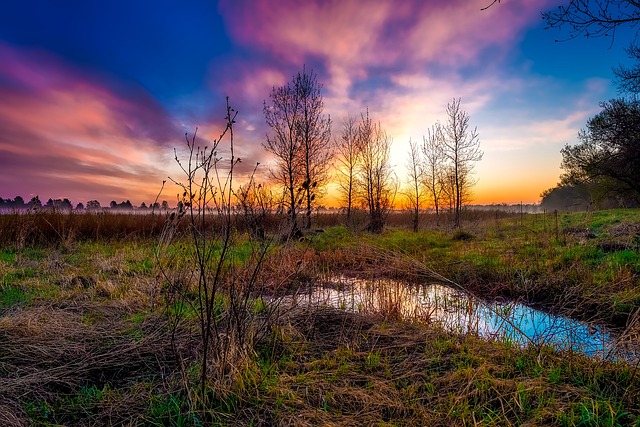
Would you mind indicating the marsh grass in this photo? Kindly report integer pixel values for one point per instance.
(78, 371)
(62, 229)
(352, 369)
(29, 229)
(91, 344)
(512, 257)
(11, 296)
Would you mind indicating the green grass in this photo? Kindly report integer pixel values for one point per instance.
(8, 256)
(18, 275)
(171, 411)
(33, 253)
(332, 238)
(76, 406)
(595, 413)
(144, 266)
(11, 296)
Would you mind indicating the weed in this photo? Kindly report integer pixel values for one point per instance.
(91, 318)
(595, 413)
(18, 275)
(11, 296)
(141, 267)
(462, 236)
(39, 411)
(88, 397)
(373, 359)
(259, 306)
(8, 256)
(171, 411)
(137, 318)
(556, 375)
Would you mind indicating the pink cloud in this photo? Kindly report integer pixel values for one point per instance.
(64, 132)
(244, 79)
(353, 39)
(291, 29)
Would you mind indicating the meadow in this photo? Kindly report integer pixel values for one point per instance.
(102, 322)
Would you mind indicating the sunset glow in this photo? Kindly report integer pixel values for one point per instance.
(95, 96)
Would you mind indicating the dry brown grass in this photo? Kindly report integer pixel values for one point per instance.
(49, 352)
(44, 228)
(350, 370)
(63, 229)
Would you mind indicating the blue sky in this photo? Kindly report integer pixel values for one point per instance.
(95, 95)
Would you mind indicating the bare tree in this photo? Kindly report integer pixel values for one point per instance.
(490, 4)
(299, 143)
(415, 193)
(433, 165)
(253, 205)
(448, 187)
(347, 153)
(462, 149)
(594, 18)
(591, 18)
(628, 78)
(602, 18)
(315, 136)
(282, 117)
(377, 185)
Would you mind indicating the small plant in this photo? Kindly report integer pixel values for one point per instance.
(171, 411)
(215, 275)
(462, 236)
(373, 359)
(40, 411)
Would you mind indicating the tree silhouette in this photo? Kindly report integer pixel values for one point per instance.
(299, 141)
(35, 203)
(461, 147)
(415, 192)
(601, 18)
(347, 155)
(375, 179)
(93, 205)
(18, 202)
(608, 153)
(593, 18)
(433, 164)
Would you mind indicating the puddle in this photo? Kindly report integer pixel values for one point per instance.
(457, 311)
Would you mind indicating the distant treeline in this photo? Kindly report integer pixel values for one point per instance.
(18, 203)
(587, 196)
(508, 208)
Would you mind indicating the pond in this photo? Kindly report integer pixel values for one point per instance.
(456, 310)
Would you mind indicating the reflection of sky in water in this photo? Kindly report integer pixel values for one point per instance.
(457, 311)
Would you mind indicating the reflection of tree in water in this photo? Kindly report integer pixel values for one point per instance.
(460, 312)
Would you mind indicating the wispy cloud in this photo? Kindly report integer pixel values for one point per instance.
(351, 41)
(62, 131)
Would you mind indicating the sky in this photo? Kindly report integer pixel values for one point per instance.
(96, 95)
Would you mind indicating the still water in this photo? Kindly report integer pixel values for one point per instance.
(458, 311)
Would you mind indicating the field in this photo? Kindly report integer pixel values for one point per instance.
(109, 319)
